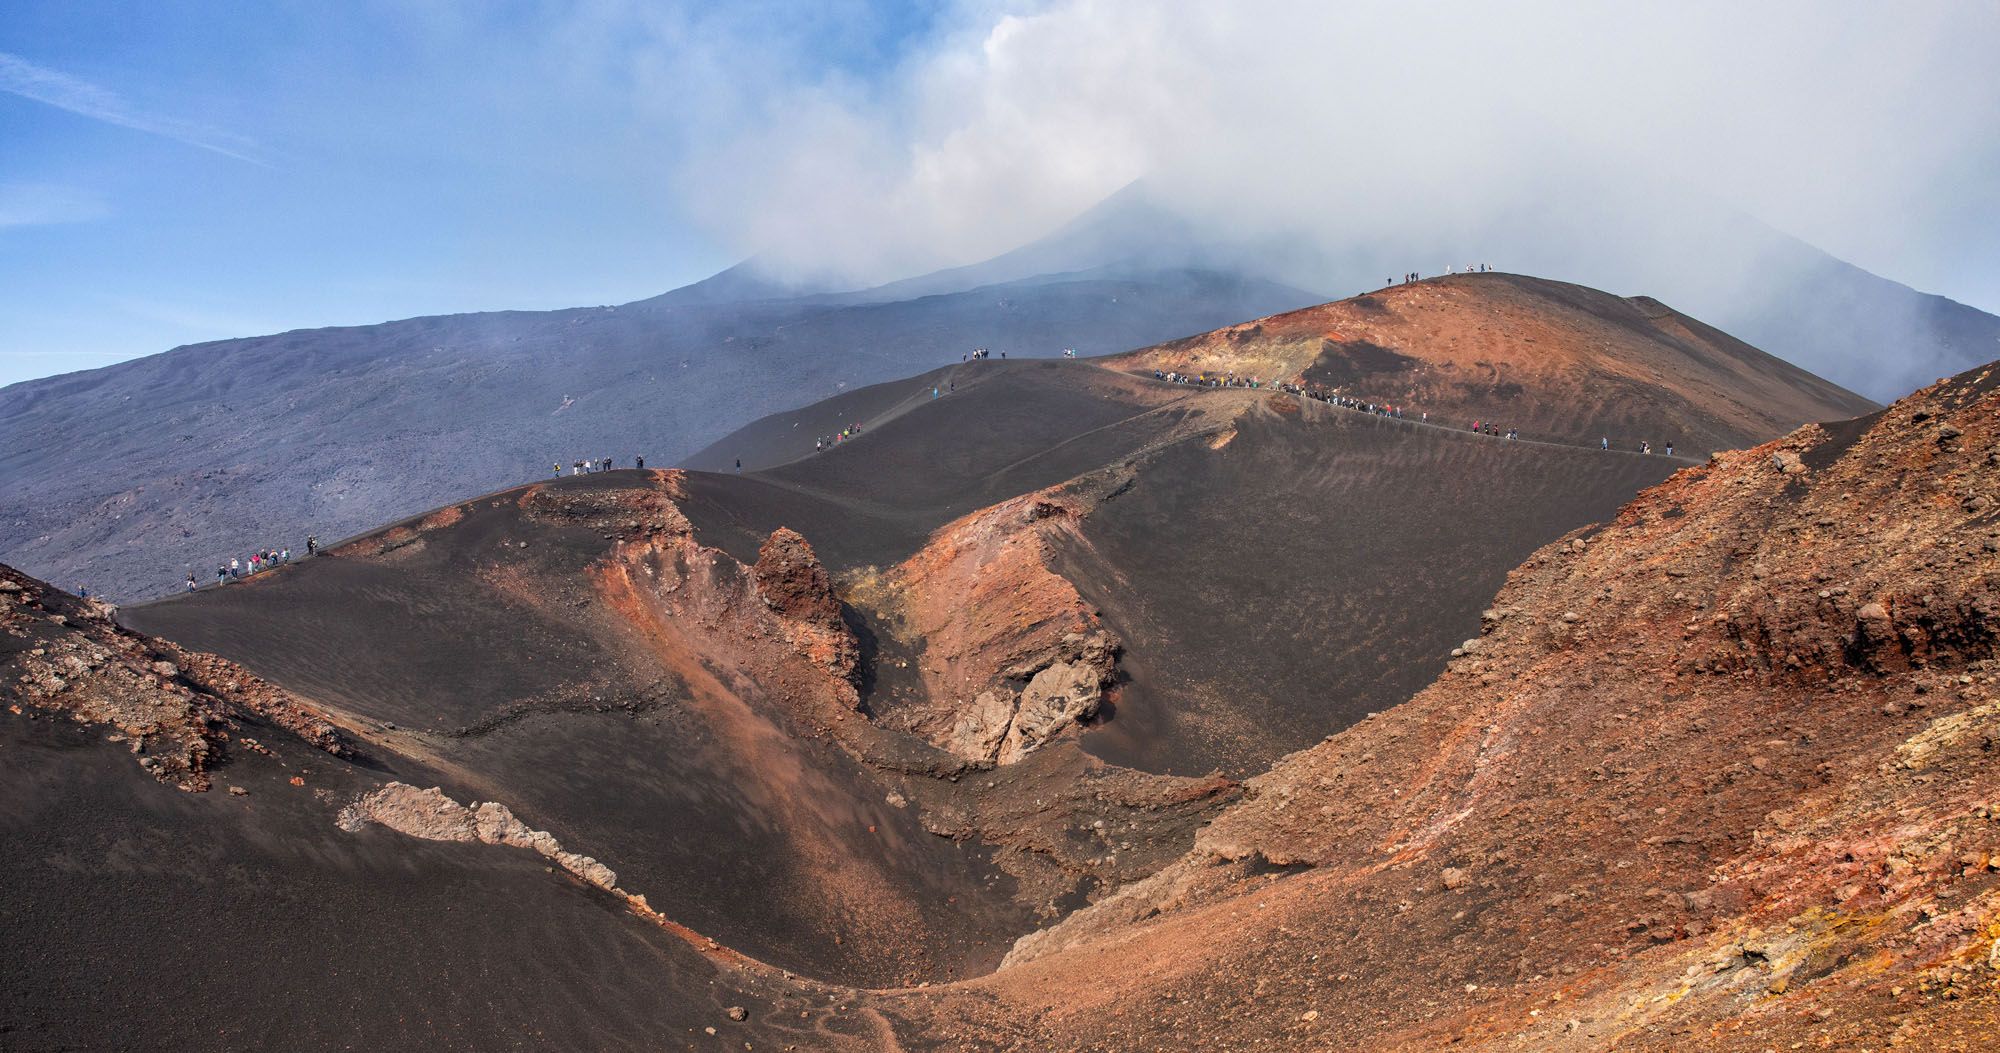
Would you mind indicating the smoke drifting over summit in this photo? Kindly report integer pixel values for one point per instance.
(1419, 131)
(441, 159)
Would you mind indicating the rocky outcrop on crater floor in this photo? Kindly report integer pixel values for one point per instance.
(1719, 775)
(1009, 653)
(796, 588)
(1058, 689)
(176, 710)
(431, 815)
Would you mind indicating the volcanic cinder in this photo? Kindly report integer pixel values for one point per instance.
(1062, 706)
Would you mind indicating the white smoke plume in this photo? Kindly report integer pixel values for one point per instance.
(1866, 129)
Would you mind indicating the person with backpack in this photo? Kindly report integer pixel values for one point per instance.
(312, 544)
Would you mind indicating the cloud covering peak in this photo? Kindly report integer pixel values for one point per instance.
(1865, 129)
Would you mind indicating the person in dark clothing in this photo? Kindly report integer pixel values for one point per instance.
(312, 544)
(638, 462)
(739, 464)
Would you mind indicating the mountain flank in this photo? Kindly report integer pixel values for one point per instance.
(124, 480)
(1054, 691)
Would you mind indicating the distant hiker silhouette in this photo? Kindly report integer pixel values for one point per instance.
(739, 464)
(638, 462)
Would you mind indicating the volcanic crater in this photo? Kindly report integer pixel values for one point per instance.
(1079, 705)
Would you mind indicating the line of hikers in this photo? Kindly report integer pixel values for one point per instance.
(602, 464)
(1414, 276)
(1208, 380)
(260, 560)
(1333, 397)
(826, 442)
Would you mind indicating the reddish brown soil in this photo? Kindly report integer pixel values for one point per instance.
(1557, 361)
(1717, 776)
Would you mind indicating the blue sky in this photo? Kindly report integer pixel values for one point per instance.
(278, 166)
(170, 173)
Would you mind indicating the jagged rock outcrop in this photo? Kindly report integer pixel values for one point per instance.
(1062, 688)
(621, 512)
(176, 710)
(796, 588)
(433, 816)
(1011, 654)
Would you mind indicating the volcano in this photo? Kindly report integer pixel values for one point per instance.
(985, 708)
